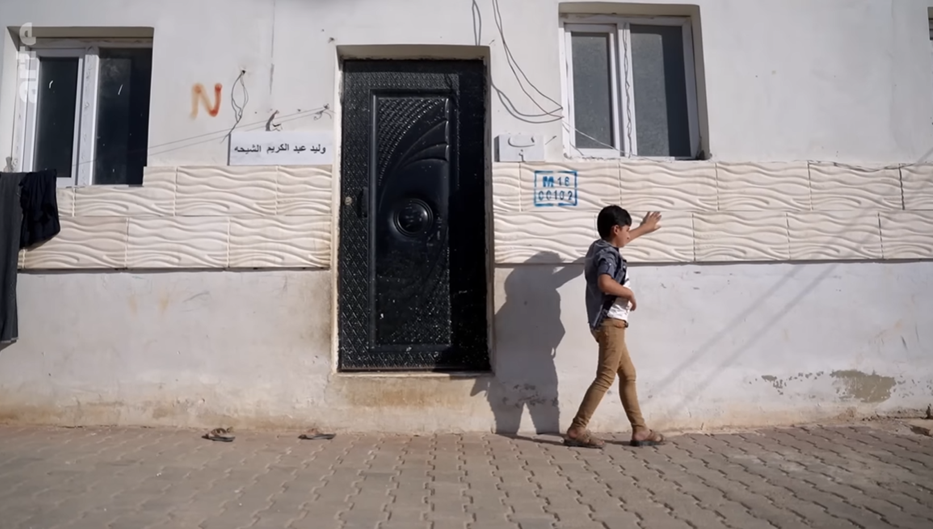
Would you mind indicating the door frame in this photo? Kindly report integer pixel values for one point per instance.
(396, 53)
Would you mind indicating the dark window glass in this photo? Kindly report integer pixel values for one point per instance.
(592, 90)
(122, 116)
(660, 86)
(55, 115)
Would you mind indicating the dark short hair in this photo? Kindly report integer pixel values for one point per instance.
(610, 217)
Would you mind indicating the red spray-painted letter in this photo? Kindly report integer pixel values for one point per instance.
(199, 97)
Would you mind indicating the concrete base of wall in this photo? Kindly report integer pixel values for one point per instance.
(716, 346)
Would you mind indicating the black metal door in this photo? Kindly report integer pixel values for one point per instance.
(412, 257)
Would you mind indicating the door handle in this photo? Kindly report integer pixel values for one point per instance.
(363, 205)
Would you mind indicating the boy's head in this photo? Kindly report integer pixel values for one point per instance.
(613, 224)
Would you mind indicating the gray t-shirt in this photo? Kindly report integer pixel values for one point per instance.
(601, 258)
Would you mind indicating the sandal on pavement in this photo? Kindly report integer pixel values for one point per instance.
(224, 435)
(314, 435)
(585, 440)
(653, 439)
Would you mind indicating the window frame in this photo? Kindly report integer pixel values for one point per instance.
(624, 117)
(931, 33)
(87, 52)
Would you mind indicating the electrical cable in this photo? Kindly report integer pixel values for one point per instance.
(238, 110)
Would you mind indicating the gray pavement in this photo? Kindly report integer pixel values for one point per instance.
(821, 477)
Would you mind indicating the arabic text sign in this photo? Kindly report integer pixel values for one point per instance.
(555, 188)
(281, 148)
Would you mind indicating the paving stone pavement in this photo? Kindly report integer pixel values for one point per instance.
(820, 477)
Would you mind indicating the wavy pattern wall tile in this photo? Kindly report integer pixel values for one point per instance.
(817, 236)
(65, 199)
(156, 197)
(159, 175)
(506, 188)
(835, 188)
(763, 186)
(83, 243)
(304, 190)
(673, 243)
(741, 236)
(152, 199)
(668, 186)
(918, 186)
(529, 237)
(280, 242)
(265, 217)
(907, 234)
(222, 190)
(597, 185)
(178, 242)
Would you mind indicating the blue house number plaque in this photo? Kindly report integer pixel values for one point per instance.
(555, 189)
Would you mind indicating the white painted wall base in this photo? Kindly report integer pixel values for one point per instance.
(715, 345)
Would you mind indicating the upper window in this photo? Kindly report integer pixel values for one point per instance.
(630, 87)
(84, 110)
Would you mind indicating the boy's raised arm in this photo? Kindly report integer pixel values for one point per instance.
(648, 225)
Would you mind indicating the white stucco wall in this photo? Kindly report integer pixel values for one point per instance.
(716, 344)
(782, 80)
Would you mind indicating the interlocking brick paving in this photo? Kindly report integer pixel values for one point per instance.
(116, 478)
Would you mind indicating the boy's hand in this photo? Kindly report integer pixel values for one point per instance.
(648, 225)
(629, 296)
(650, 222)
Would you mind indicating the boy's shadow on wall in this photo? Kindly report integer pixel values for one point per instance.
(528, 329)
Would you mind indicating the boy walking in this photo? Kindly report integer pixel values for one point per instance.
(609, 300)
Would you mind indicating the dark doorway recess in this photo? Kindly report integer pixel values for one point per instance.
(412, 260)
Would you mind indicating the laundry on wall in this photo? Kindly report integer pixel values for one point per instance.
(28, 216)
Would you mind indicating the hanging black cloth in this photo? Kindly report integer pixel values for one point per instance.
(40, 208)
(11, 217)
(28, 216)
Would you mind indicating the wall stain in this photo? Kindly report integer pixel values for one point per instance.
(199, 97)
(165, 299)
(776, 382)
(173, 413)
(520, 395)
(402, 392)
(864, 387)
(204, 294)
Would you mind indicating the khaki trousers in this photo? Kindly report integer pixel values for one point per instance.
(613, 359)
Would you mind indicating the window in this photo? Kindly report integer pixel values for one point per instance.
(630, 87)
(84, 110)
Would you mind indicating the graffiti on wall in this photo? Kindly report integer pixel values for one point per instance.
(200, 98)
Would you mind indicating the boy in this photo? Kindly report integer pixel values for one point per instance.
(608, 303)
